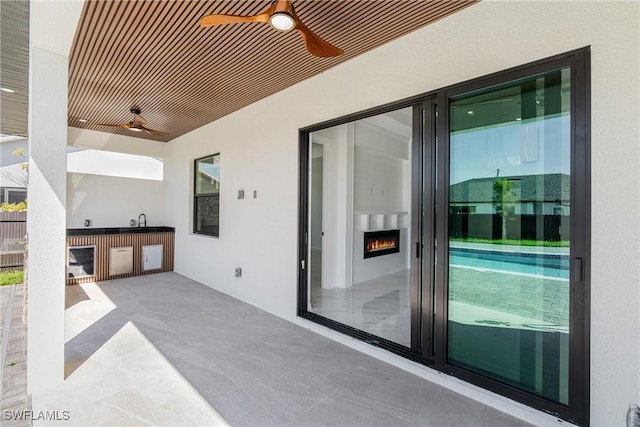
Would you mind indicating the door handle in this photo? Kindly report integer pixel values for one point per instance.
(417, 249)
(577, 270)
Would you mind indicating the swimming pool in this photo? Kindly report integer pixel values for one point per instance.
(539, 264)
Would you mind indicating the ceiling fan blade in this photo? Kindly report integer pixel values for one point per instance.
(221, 19)
(125, 126)
(315, 45)
(151, 131)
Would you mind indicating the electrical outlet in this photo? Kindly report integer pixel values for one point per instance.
(87, 222)
(255, 194)
(240, 194)
(238, 272)
(132, 222)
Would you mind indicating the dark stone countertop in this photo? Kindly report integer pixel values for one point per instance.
(117, 230)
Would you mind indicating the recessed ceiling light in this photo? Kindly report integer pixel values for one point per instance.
(519, 118)
(135, 129)
(470, 112)
(6, 89)
(82, 120)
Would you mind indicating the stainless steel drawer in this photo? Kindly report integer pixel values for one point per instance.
(120, 260)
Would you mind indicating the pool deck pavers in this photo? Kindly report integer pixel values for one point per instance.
(536, 298)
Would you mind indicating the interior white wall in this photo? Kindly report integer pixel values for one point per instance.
(315, 194)
(259, 150)
(112, 201)
(378, 185)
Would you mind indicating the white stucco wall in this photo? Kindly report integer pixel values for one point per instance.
(46, 218)
(258, 147)
(51, 29)
(112, 201)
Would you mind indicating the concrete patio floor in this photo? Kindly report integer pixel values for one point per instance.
(165, 350)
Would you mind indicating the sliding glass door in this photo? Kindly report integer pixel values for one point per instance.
(360, 210)
(509, 233)
(453, 229)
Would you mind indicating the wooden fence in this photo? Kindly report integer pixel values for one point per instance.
(526, 227)
(13, 230)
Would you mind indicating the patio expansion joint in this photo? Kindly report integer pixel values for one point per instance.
(427, 405)
(293, 421)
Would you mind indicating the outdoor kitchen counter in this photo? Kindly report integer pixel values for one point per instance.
(117, 230)
(118, 252)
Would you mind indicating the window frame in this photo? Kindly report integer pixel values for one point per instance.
(8, 190)
(197, 196)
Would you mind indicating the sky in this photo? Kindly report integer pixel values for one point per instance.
(533, 147)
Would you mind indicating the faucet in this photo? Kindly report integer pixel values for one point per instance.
(140, 222)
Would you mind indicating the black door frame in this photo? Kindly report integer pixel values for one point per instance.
(415, 352)
(431, 331)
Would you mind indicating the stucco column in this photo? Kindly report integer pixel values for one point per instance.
(46, 217)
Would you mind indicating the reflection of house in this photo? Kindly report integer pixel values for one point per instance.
(546, 194)
(210, 173)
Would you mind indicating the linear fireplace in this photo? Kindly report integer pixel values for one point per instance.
(378, 243)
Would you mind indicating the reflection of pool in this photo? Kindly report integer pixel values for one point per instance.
(550, 265)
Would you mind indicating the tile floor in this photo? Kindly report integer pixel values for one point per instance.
(165, 350)
(378, 306)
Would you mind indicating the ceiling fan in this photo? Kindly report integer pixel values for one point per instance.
(281, 16)
(137, 124)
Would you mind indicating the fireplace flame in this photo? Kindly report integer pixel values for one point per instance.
(380, 244)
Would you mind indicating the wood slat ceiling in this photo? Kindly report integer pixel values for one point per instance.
(154, 55)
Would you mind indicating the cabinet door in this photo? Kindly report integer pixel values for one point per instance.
(151, 257)
(120, 260)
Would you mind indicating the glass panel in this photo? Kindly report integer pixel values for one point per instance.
(81, 261)
(207, 214)
(509, 207)
(208, 175)
(360, 243)
(206, 203)
(16, 196)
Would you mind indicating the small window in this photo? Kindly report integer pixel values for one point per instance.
(15, 195)
(206, 196)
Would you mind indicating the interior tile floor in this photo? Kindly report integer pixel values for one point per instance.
(378, 306)
(165, 350)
